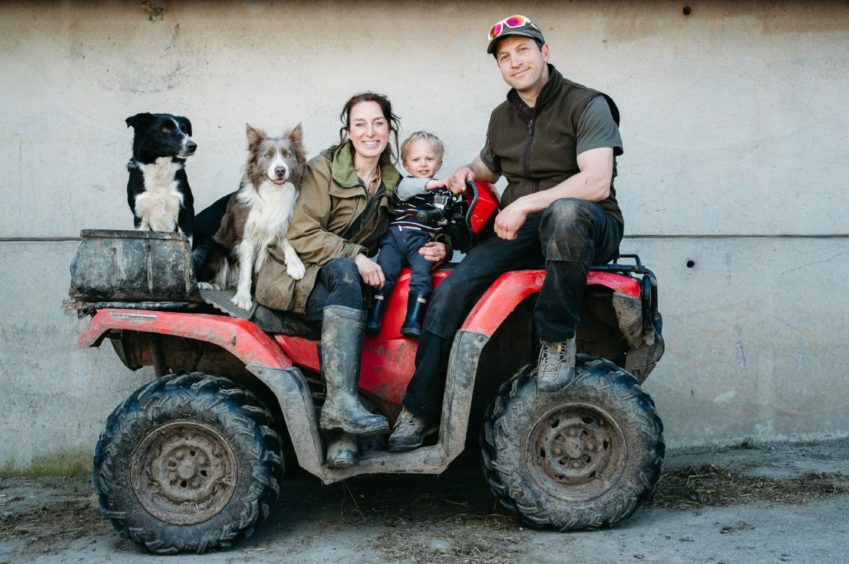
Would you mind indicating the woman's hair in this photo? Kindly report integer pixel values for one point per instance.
(434, 141)
(385, 108)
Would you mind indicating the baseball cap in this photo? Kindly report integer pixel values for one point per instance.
(514, 25)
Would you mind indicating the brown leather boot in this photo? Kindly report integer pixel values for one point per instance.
(556, 366)
(409, 431)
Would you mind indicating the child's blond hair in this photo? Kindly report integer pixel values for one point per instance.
(434, 141)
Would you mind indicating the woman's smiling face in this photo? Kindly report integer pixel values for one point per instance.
(369, 130)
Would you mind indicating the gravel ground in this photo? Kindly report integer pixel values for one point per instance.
(750, 503)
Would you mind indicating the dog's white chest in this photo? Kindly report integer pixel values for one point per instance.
(159, 204)
(271, 210)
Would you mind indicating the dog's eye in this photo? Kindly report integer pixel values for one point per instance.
(166, 130)
(269, 154)
(286, 154)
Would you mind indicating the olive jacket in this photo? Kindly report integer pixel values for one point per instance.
(333, 218)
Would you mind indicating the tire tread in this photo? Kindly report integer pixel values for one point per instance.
(180, 394)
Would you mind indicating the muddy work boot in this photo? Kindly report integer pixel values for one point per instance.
(409, 432)
(342, 451)
(341, 351)
(556, 367)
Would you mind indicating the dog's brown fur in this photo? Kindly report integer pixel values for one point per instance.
(268, 224)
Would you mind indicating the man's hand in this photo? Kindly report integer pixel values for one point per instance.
(370, 271)
(457, 181)
(434, 251)
(509, 220)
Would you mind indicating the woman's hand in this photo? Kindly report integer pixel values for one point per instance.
(370, 271)
(434, 251)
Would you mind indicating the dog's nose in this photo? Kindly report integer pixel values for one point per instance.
(191, 146)
(280, 171)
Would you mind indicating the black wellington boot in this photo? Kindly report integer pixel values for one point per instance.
(378, 306)
(415, 312)
(342, 332)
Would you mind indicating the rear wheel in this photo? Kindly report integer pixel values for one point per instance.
(585, 457)
(188, 463)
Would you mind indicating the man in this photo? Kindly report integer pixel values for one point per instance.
(556, 142)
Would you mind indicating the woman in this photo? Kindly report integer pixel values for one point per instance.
(344, 207)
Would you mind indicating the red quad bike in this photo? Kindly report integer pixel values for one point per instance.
(194, 460)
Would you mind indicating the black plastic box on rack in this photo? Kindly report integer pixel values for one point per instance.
(133, 266)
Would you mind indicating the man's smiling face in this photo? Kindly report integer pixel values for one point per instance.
(522, 63)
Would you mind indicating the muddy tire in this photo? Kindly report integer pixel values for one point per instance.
(188, 463)
(585, 457)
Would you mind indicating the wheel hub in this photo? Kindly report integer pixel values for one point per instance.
(183, 473)
(575, 451)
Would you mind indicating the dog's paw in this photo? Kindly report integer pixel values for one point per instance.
(296, 270)
(242, 301)
(205, 286)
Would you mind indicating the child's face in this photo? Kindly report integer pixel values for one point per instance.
(421, 160)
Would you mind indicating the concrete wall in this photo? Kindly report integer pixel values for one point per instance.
(735, 130)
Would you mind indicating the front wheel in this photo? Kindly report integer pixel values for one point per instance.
(188, 463)
(584, 457)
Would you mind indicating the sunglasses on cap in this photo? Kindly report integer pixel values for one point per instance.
(512, 22)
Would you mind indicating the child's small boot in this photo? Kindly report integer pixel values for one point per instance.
(378, 306)
(415, 312)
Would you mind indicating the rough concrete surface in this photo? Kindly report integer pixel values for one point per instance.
(750, 503)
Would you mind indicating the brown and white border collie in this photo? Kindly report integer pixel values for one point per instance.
(258, 215)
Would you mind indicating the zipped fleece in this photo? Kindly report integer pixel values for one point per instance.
(333, 218)
(537, 148)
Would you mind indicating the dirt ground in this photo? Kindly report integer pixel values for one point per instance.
(750, 503)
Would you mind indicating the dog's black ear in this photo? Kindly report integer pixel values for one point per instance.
(255, 136)
(185, 124)
(139, 121)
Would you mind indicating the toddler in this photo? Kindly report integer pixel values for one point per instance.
(410, 229)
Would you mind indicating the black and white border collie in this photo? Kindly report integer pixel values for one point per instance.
(258, 215)
(158, 189)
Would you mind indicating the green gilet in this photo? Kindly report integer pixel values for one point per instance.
(536, 148)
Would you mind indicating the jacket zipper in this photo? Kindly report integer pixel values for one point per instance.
(527, 160)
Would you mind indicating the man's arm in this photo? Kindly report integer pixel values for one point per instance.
(475, 170)
(592, 184)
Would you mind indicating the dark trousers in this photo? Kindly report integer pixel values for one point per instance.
(567, 238)
(338, 283)
(399, 246)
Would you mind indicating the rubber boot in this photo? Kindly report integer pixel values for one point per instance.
(342, 332)
(376, 313)
(415, 312)
(342, 451)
